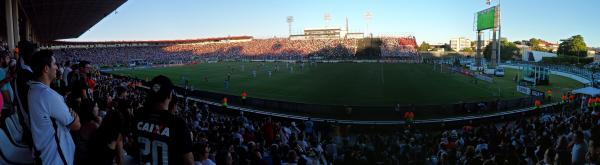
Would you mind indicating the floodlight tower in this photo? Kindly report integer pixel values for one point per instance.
(289, 20)
(499, 32)
(368, 17)
(327, 18)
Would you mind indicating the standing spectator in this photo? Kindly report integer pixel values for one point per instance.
(21, 87)
(308, 127)
(25, 73)
(203, 151)
(106, 146)
(5, 78)
(59, 85)
(50, 117)
(90, 121)
(66, 72)
(157, 128)
(548, 157)
(579, 149)
(562, 151)
(224, 157)
(81, 82)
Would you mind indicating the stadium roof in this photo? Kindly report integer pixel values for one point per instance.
(60, 19)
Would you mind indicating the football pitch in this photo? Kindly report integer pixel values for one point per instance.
(353, 84)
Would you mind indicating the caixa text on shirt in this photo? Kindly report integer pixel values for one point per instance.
(153, 128)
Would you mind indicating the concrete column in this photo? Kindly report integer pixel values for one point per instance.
(27, 30)
(10, 38)
(478, 56)
(494, 49)
(15, 10)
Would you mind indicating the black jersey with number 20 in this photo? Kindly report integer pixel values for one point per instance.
(162, 137)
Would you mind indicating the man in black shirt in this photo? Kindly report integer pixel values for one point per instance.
(21, 86)
(162, 137)
(80, 81)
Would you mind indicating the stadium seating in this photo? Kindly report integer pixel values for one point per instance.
(283, 49)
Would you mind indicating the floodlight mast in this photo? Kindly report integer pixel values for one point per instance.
(327, 18)
(289, 20)
(368, 17)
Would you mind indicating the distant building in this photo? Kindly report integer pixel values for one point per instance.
(484, 43)
(551, 47)
(458, 44)
(326, 33)
(591, 53)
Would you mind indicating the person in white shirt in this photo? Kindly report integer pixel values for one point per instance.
(579, 149)
(51, 120)
(66, 72)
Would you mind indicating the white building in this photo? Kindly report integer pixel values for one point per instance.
(484, 43)
(326, 33)
(534, 56)
(458, 44)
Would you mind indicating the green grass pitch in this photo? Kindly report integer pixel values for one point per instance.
(364, 84)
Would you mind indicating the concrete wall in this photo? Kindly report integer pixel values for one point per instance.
(564, 74)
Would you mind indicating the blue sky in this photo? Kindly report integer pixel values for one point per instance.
(433, 21)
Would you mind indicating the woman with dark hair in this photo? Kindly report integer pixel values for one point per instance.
(563, 155)
(106, 147)
(224, 157)
(90, 122)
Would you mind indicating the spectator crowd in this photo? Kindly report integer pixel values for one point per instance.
(272, 49)
(398, 47)
(78, 115)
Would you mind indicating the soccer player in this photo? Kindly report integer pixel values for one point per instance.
(162, 137)
(254, 73)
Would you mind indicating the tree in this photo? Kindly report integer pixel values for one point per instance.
(424, 46)
(534, 44)
(508, 50)
(518, 42)
(574, 46)
(467, 50)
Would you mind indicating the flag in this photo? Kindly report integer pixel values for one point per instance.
(487, 2)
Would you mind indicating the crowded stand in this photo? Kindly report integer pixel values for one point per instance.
(109, 56)
(272, 49)
(105, 119)
(275, 48)
(398, 47)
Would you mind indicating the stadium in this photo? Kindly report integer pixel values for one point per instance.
(326, 96)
